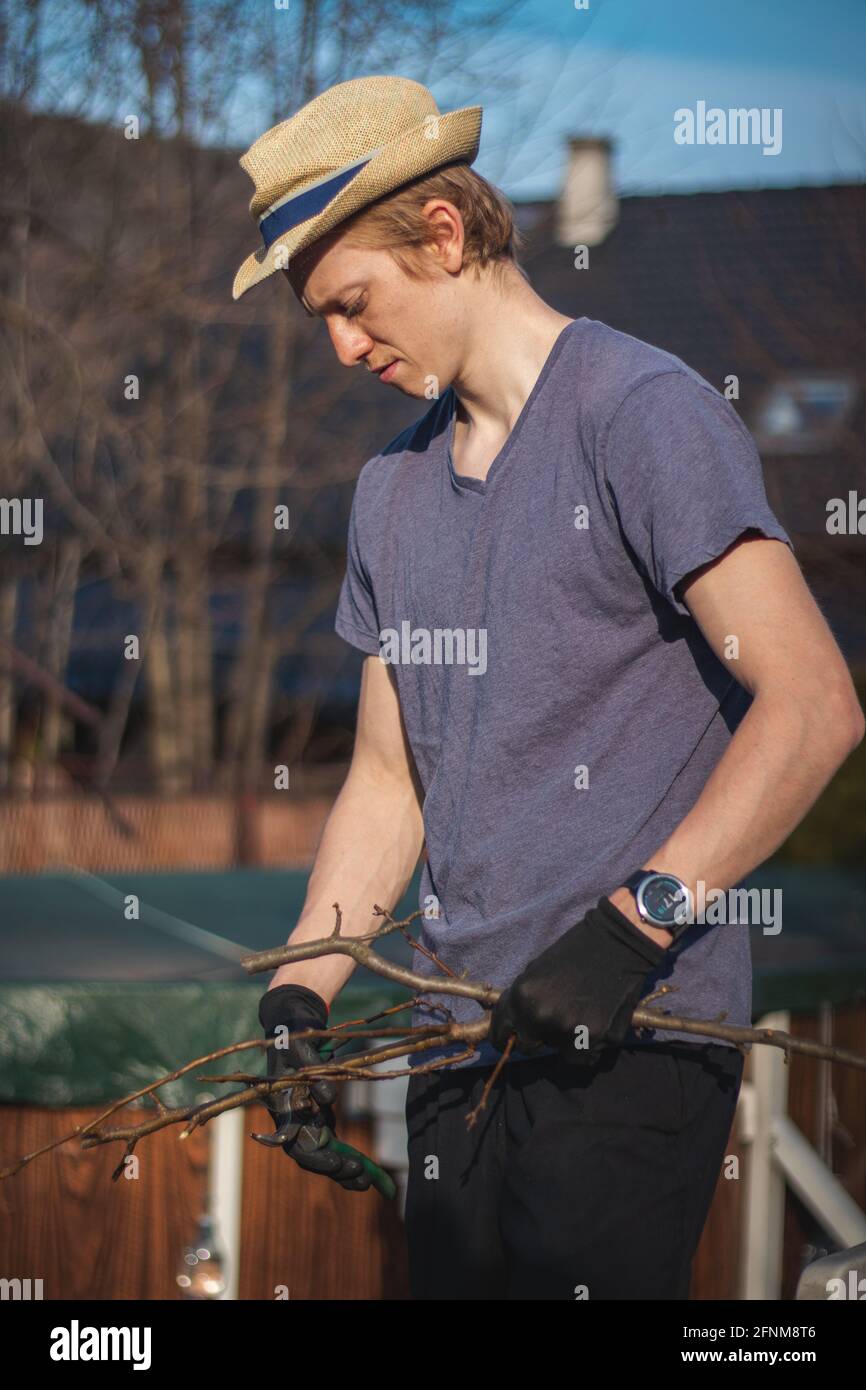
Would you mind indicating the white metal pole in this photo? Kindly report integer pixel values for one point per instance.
(225, 1179)
(817, 1187)
(762, 1232)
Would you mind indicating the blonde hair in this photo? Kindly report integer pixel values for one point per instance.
(395, 222)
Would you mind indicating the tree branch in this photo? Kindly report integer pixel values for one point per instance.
(399, 1043)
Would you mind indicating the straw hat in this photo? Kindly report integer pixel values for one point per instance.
(349, 146)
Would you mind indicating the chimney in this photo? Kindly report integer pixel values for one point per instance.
(587, 209)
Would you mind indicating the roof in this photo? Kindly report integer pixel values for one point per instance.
(754, 283)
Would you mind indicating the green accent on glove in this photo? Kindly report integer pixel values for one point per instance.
(382, 1181)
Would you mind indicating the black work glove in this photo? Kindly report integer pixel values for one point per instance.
(303, 1115)
(593, 976)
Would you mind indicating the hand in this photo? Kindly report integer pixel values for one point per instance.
(592, 977)
(303, 1115)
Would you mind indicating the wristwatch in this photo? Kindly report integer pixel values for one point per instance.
(663, 900)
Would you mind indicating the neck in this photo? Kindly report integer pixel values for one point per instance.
(511, 332)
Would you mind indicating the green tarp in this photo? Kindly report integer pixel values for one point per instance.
(93, 1004)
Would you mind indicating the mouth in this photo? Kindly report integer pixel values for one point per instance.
(385, 373)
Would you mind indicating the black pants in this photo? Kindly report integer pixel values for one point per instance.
(576, 1182)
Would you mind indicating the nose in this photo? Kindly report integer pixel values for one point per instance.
(351, 344)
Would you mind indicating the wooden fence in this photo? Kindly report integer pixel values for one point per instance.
(146, 833)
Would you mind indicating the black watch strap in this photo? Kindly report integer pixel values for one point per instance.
(634, 879)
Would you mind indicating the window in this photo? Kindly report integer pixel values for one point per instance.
(804, 413)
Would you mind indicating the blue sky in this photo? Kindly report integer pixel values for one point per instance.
(623, 67)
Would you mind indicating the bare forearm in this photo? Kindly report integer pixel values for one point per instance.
(777, 764)
(369, 850)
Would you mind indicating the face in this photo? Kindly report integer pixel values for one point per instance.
(407, 331)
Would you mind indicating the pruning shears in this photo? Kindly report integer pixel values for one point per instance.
(310, 1136)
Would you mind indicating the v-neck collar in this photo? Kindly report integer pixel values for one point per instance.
(463, 482)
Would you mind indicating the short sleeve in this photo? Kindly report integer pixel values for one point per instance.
(357, 620)
(685, 478)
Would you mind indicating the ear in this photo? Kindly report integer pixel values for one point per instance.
(447, 233)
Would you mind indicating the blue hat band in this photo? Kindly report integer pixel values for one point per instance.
(306, 205)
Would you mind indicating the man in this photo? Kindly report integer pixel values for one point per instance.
(595, 681)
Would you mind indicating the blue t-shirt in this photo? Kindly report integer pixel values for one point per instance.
(563, 707)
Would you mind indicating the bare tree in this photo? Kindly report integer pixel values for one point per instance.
(163, 422)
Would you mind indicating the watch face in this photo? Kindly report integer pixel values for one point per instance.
(662, 896)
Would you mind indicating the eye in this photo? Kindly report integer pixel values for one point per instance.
(354, 309)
